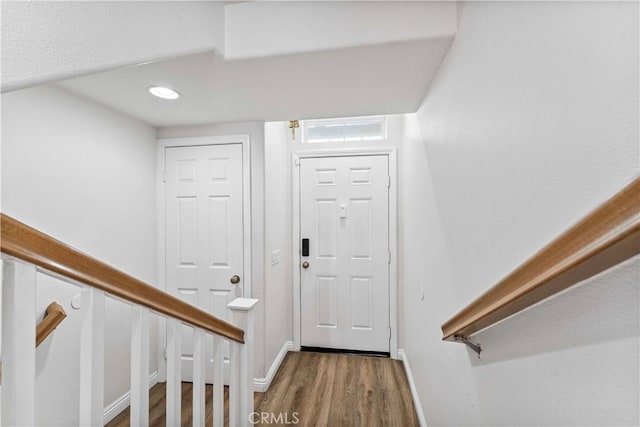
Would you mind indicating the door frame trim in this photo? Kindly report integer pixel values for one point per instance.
(163, 144)
(391, 153)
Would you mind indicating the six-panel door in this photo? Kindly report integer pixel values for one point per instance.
(204, 233)
(344, 212)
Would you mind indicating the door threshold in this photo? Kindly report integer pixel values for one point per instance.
(345, 351)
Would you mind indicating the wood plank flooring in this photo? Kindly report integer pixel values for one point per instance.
(315, 389)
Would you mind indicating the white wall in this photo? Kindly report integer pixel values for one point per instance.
(255, 130)
(85, 175)
(44, 41)
(296, 27)
(277, 216)
(531, 122)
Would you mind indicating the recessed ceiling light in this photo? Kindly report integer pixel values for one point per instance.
(163, 92)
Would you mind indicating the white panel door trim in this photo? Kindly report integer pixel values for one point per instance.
(163, 144)
(391, 152)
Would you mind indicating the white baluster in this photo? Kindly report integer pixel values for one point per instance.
(92, 357)
(174, 372)
(242, 354)
(139, 415)
(234, 383)
(218, 381)
(198, 377)
(18, 345)
(1, 275)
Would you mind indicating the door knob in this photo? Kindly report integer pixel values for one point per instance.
(305, 264)
(235, 279)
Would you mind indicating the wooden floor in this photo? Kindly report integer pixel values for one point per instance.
(316, 389)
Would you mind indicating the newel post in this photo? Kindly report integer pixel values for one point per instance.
(241, 381)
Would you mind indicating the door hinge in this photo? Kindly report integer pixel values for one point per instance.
(389, 332)
(388, 182)
(388, 257)
(164, 176)
(166, 355)
(296, 161)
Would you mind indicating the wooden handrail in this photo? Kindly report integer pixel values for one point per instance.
(53, 316)
(605, 237)
(26, 243)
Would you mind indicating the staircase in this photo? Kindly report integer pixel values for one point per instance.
(27, 251)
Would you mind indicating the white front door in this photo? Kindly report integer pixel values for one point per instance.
(344, 212)
(204, 233)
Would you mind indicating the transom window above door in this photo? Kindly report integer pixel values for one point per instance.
(372, 128)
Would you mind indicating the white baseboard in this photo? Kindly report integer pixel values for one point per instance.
(123, 402)
(262, 384)
(414, 393)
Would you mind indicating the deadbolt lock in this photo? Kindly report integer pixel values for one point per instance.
(235, 279)
(305, 264)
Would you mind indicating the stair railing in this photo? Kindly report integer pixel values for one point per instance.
(607, 236)
(27, 251)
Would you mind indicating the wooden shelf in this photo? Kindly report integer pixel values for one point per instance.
(605, 237)
(26, 243)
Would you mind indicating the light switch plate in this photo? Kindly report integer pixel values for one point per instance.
(275, 257)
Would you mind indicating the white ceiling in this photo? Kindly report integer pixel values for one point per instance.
(380, 79)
